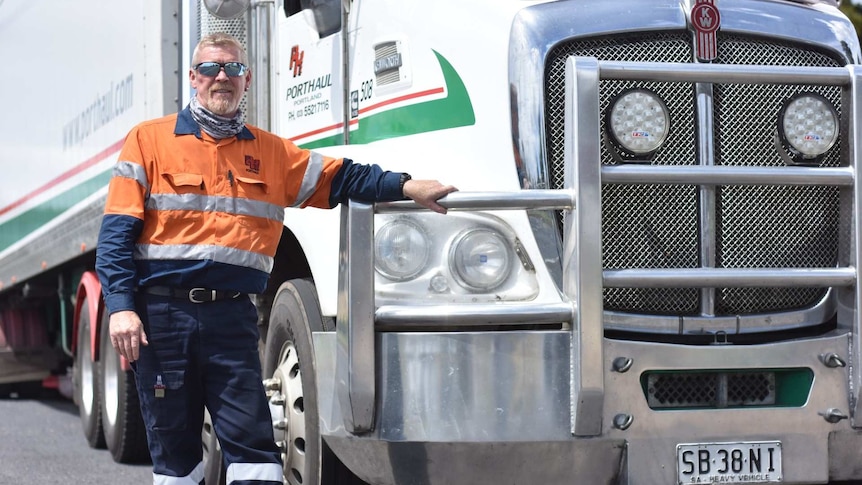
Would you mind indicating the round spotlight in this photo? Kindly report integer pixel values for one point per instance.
(401, 249)
(808, 125)
(638, 122)
(481, 259)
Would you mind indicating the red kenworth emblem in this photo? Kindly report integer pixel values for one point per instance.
(705, 19)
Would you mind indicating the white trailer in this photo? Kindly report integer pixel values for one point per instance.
(650, 274)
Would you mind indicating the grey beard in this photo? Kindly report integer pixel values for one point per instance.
(214, 125)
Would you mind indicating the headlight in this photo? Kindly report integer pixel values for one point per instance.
(638, 122)
(481, 259)
(808, 125)
(401, 249)
(459, 258)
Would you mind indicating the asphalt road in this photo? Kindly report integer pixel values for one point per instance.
(41, 442)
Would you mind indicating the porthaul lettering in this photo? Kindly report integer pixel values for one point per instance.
(309, 86)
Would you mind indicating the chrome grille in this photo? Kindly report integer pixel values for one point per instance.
(657, 226)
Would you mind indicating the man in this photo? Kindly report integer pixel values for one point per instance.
(192, 222)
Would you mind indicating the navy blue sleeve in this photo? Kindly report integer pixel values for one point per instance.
(368, 183)
(115, 265)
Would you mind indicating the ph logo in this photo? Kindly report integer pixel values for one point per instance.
(252, 164)
(296, 56)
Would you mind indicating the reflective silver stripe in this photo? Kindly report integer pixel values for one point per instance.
(254, 471)
(193, 478)
(198, 252)
(132, 171)
(310, 179)
(212, 203)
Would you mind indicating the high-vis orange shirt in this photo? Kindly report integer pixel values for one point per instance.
(187, 210)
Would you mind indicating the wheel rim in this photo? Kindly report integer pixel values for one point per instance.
(111, 385)
(286, 403)
(87, 391)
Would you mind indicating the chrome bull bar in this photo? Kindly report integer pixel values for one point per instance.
(358, 316)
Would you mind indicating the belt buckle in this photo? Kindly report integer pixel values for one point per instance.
(194, 299)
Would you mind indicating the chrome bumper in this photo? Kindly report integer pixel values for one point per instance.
(494, 407)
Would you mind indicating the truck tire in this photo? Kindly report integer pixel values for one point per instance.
(85, 379)
(125, 435)
(292, 387)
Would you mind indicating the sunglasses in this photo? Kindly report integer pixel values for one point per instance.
(232, 69)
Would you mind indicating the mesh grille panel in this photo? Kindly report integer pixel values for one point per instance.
(710, 389)
(771, 226)
(658, 229)
(653, 226)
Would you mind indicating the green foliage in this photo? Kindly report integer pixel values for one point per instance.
(854, 13)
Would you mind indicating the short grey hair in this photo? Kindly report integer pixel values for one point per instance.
(220, 39)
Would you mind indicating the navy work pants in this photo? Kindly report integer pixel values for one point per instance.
(204, 355)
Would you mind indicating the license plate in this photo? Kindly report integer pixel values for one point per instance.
(742, 462)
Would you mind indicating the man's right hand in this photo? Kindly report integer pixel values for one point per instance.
(127, 334)
(426, 193)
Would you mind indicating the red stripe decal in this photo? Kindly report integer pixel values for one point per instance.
(366, 109)
(65, 176)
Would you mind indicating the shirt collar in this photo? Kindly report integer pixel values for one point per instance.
(186, 125)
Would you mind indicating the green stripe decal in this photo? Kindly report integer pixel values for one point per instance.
(25, 223)
(453, 111)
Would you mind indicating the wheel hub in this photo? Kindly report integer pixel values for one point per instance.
(286, 405)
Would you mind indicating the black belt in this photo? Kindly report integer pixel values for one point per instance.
(194, 295)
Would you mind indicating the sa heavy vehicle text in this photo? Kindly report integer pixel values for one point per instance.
(650, 275)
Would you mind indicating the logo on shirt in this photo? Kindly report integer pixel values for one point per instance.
(252, 164)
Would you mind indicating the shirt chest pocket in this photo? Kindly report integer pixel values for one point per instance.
(252, 206)
(251, 188)
(183, 183)
(180, 194)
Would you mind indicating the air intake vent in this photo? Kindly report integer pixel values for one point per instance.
(210, 24)
(726, 389)
(387, 63)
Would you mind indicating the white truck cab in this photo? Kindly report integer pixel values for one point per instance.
(649, 274)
